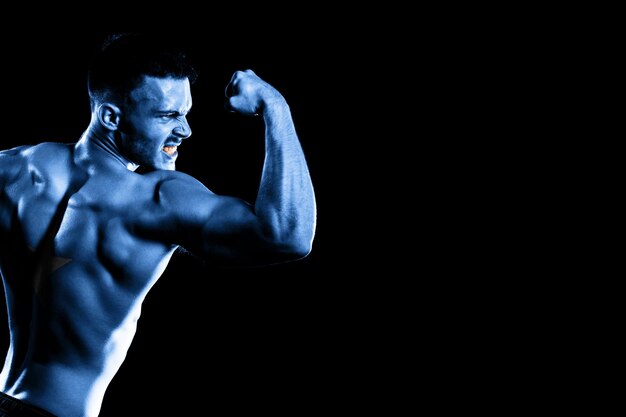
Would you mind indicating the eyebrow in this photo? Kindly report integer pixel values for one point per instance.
(178, 113)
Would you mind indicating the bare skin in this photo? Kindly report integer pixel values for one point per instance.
(83, 237)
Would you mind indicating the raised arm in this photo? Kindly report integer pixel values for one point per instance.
(285, 203)
(281, 224)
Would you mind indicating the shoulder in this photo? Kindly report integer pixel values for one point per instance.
(46, 159)
(44, 153)
(12, 160)
(165, 181)
(14, 154)
(177, 190)
(49, 153)
(37, 150)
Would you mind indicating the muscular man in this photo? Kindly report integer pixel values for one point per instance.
(83, 237)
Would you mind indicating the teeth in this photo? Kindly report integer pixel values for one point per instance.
(170, 150)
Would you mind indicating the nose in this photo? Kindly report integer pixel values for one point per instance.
(183, 130)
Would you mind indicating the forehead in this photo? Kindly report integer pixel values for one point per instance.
(163, 93)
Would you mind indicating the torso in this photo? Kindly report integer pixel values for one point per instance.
(77, 256)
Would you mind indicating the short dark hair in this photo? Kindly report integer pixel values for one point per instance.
(124, 59)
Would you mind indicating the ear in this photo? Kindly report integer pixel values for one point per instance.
(109, 116)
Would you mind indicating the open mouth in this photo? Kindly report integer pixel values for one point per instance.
(170, 150)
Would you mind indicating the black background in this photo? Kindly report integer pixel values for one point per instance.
(272, 338)
(402, 116)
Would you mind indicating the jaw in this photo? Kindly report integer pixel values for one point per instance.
(150, 155)
(159, 162)
(167, 161)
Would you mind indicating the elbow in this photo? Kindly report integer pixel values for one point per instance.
(301, 250)
(292, 243)
(296, 249)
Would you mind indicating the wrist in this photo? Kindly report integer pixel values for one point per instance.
(274, 103)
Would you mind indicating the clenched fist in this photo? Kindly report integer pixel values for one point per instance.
(246, 93)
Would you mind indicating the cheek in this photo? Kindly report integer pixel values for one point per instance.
(136, 143)
(148, 134)
(153, 132)
(130, 126)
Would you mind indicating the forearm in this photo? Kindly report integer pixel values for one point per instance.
(286, 202)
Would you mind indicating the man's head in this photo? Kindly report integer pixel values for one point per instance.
(139, 89)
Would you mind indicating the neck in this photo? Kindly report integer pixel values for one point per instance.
(101, 147)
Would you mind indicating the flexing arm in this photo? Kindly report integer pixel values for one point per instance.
(285, 203)
(281, 224)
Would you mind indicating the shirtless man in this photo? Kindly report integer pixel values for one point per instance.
(83, 237)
